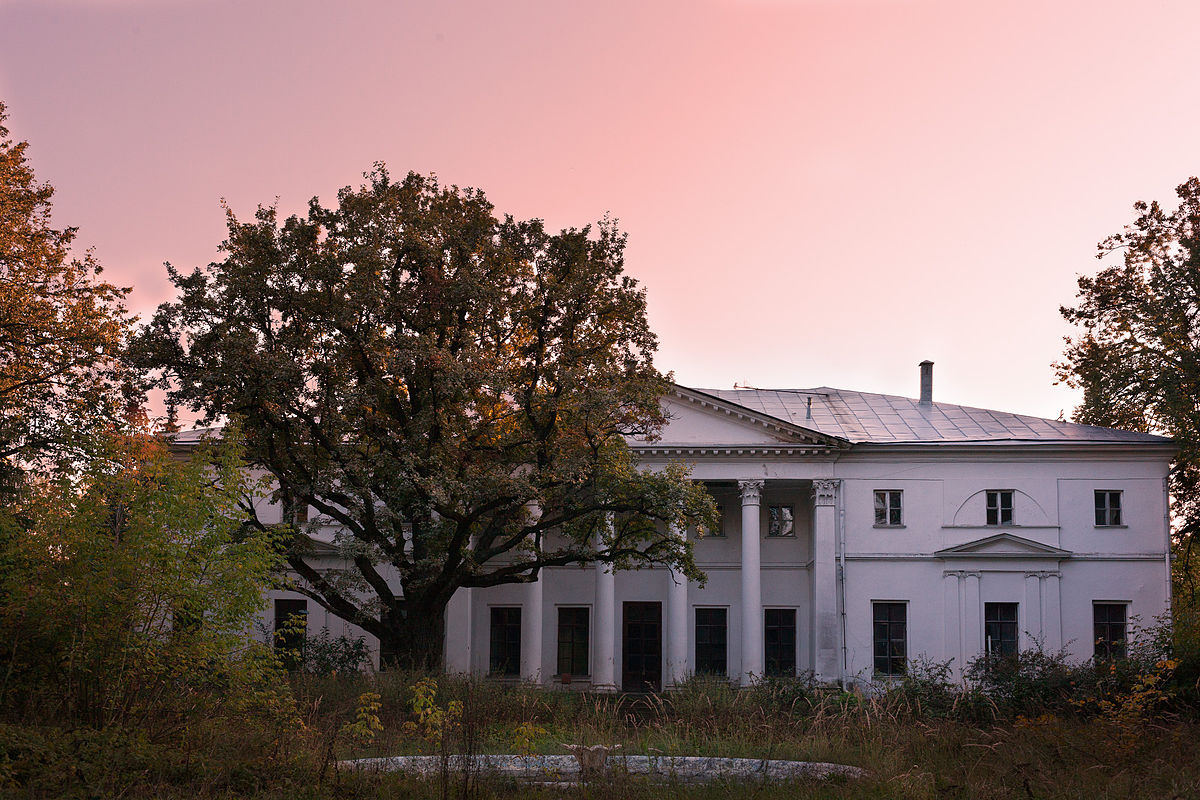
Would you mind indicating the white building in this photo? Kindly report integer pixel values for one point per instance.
(857, 531)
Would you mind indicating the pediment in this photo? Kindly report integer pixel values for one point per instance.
(1003, 545)
(695, 419)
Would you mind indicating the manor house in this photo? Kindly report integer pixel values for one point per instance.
(858, 531)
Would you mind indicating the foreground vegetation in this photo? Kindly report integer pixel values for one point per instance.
(919, 739)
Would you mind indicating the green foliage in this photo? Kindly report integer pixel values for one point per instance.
(366, 724)
(325, 654)
(453, 389)
(433, 723)
(128, 597)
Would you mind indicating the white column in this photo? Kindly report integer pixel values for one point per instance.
(952, 648)
(752, 616)
(1032, 630)
(677, 622)
(458, 632)
(1052, 611)
(604, 617)
(824, 582)
(531, 631)
(972, 618)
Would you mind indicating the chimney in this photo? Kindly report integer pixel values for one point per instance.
(926, 383)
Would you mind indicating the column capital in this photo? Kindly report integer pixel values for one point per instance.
(825, 491)
(751, 491)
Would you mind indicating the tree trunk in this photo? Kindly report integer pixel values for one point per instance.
(413, 638)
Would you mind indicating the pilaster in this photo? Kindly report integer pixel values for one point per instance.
(824, 581)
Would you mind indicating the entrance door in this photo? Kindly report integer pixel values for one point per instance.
(642, 647)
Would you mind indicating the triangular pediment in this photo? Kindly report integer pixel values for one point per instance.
(1003, 545)
(695, 419)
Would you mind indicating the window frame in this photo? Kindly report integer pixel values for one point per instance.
(1104, 646)
(785, 658)
(291, 642)
(997, 511)
(719, 533)
(888, 508)
(1009, 647)
(1107, 510)
(511, 667)
(771, 520)
(704, 659)
(895, 663)
(574, 642)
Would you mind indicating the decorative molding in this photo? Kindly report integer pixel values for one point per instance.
(751, 491)
(825, 491)
(1043, 574)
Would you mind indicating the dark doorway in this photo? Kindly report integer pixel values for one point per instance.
(642, 648)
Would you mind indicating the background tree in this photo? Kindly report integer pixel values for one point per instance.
(451, 389)
(61, 330)
(1137, 357)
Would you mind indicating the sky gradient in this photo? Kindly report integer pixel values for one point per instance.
(817, 192)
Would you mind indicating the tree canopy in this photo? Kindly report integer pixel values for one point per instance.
(61, 329)
(451, 389)
(1137, 355)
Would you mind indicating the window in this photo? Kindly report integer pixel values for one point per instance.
(711, 636)
(572, 641)
(891, 637)
(781, 521)
(1000, 507)
(291, 629)
(888, 508)
(505, 657)
(1000, 629)
(294, 511)
(1108, 508)
(780, 641)
(1108, 625)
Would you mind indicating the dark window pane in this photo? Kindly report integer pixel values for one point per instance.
(890, 637)
(1109, 630)
(1000, 629)
(711, 637)
(780, 641)
(573, 641)
(291, 627)
(505, 656)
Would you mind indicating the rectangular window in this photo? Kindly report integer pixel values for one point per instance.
(781, 521)
(889, 508)
(1000, 629)
(1108, 625)
(1108, 508)
(291, 629)
(891, 637)
(294, 511)
(1000, 507)
(712, 631)
(505, 656)
(779, 641)
(573, 641)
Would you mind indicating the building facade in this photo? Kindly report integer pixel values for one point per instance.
(858, 531)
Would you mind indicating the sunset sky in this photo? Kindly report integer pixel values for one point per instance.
(816, 192)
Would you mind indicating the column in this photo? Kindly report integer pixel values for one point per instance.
(531, 631)
(1032, 629)
(824, 582)
(1052, 611)
(677, 621)
(604, 618)
(752, 616)
(952, 646)
(458, 632)
(972, 617)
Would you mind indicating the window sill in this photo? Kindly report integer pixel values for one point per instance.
(787, 537)
(1111, 527)
(889, 527)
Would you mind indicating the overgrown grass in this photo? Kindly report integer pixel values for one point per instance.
(1022, 732)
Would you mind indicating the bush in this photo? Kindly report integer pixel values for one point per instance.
(325, 655)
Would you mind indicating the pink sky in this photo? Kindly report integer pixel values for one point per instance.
(816, 192)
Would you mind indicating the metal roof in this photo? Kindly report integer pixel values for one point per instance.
(867, 418)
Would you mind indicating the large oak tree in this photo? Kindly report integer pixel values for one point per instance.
(451, 389)
(1137, 353)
